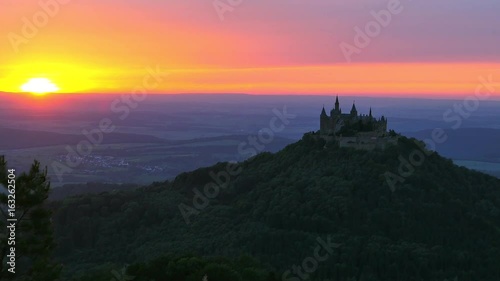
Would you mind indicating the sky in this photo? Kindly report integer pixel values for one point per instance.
(369, 47)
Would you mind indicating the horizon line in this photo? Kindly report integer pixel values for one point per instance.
(420, 96)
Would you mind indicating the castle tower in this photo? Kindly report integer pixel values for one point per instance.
(361, 125)
(354, 111)
(324, 121)
(383, 124)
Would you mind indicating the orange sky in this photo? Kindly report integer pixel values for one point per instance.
(106, 46)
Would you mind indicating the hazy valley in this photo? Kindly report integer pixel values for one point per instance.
(166, 135)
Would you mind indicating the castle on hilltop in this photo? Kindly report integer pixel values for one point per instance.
(351, 124)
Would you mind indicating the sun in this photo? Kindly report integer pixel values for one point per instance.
(39, 86)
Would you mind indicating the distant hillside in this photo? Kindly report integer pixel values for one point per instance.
(68, 190)
(467, 144)
(16, 139)
(442, 223)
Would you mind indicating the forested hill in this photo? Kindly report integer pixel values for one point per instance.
(435, 221)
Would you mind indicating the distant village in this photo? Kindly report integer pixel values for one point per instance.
(94, 164)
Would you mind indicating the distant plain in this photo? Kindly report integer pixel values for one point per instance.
(166, 135)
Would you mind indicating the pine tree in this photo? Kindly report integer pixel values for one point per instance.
(33, 227)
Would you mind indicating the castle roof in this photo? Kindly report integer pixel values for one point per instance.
(353, 109)
(323, 112)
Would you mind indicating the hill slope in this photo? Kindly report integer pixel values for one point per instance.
(442, 222)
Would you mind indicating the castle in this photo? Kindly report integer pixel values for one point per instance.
(351, 124)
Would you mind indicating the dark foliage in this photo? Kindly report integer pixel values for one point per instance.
(23, 198)
(442, 222)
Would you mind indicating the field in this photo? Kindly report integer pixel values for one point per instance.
(167, 135)
(134, 163)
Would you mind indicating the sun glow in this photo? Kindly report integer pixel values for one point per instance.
(39, 86)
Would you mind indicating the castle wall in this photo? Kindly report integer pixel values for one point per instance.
(329, 124)
(363, 139)
(366, 142)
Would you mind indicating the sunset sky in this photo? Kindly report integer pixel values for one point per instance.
(430, 48)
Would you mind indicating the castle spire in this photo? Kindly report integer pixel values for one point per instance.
(323, 112)
(353, 109)
(337, 104)
(370, 111)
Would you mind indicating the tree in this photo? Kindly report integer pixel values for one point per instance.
(22, 199)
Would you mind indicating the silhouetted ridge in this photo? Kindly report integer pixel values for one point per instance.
(442, 222)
